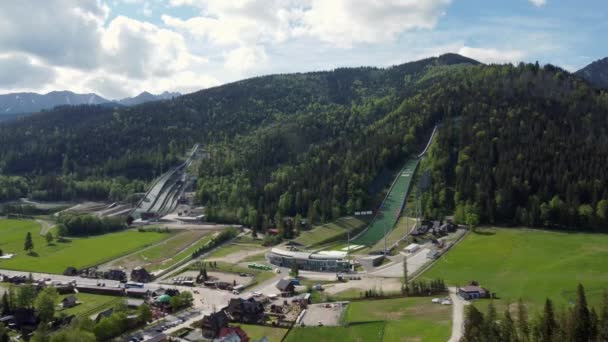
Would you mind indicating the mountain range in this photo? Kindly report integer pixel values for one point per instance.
(21, 103)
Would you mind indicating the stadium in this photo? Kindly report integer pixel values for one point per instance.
(328, 261)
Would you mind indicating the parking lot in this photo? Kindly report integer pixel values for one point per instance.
(327, 314)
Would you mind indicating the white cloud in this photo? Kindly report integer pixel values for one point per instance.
(61, 32)
(345, 22)
(490, 55)
(141, 49)
(244, 59)
(539, 3)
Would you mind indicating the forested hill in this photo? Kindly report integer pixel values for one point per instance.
(61, 149)
(596, 73)
(529, 146)
(311, 144)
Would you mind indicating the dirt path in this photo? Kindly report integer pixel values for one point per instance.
(45, 226)
(458, 305)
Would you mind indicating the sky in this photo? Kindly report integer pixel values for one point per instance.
(119, 48)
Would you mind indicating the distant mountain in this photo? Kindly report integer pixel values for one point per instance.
(17, 103)
(147, 97)
(22, 103)
(596, 73)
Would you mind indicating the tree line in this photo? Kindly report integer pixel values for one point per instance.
(579, 323)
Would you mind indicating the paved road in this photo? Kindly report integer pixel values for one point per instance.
(458, 305)
(414, 262)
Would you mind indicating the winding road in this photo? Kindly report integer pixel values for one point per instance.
(458, 305)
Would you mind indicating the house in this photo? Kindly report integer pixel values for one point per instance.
(104, 314)
(473, 291)
(245, 311)
(212, 324)
(69, 302)
(70, 271)
(119, 275)
(25, 318)
(235, 334)
(272, 231)
(139, 274)
(286, 287)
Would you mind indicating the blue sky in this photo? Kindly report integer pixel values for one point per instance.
(119, 48)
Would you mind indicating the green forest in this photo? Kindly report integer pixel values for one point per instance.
(518, 144)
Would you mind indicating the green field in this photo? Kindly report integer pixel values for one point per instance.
(256, 332)
(90, 304)
(329, 232)
(390, 210)
(407, 319)
(231, 248)
(528, 264)
(401, 319)
(167, 253)
(365, 332)
(78, 252)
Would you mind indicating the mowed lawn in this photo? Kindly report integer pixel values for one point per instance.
(322, 234)
(256, 332)
(90, 304)
(365, 332)
(528, 264)
(78, 252)
(400, 319)
(407, 319)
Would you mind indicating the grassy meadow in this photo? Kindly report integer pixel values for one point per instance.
(77, 252)
(401, 319)
(329, 232)
(528, 264)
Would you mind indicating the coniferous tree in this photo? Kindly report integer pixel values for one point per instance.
(548, 324)
(473, 325)
(523, 328)
(602, 326)
(491, 329)
(6, 306)
(29, 244)
(507, 328)
(581, 316)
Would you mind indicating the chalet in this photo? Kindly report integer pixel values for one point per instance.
(70, 271)
(245, 311)
(139, 274)
(473, 291)
(213, 324)
(25, 318)
(69, 302)
(286, 287)
(119, 275)
(235, 334)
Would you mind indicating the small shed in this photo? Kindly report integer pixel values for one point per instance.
(69, 302)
